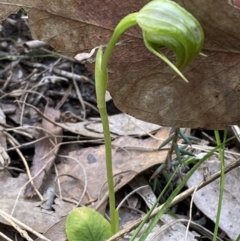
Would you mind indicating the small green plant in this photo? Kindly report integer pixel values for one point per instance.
(86, 224)
(164, 24)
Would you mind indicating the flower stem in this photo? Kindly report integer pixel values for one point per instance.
(100, 83)
(101, 78)
(126, 23)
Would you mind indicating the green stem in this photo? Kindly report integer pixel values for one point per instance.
(108, 152)
(101, 79)
(221, 154)
(126, 23)
(100, 82)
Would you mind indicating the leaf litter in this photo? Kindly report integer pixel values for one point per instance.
(206, 199)
(71, 28)
(70, 187)
(45, 150)
(66, 179)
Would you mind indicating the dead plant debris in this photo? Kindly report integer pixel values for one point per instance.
(51, 144)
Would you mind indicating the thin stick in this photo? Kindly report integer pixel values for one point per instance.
(23, 233)
(80, 98)
(85, 177)
(130, 194)
(5, 237)
(12, 140)
(193, 225)
(64, 98)
(190, 214)
(9, 217)
(142, 129)
(176, 200)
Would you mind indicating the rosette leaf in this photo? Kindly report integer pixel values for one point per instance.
(164, 23)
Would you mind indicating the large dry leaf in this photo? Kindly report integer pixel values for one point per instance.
(87, 168)
(206, 199)
(45, 150)
(169, 230)
(124, 125)
(27, 211)
(120, 124)
(210, 100)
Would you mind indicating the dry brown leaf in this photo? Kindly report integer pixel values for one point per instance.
(172, 229)
(4, 157)
(80, 129)
(71, 26)
(210, 100)
(26, 211)
(56, 232)
(45, 150)
(122, 124)
(146, 193)
(92, 160)
(206, 199)
(126, 163)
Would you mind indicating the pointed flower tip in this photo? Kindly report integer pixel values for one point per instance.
(165, 23)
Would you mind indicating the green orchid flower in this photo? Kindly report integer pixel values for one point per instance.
(166, 24)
